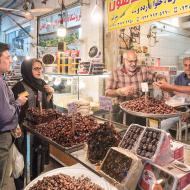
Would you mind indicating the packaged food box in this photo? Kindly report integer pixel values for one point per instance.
(131, 137)
(167, 178)
(122, 168)
(154, 145)
(100, 141)
(177, 150)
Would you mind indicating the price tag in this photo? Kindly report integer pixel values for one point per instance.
(72, 108)
(144, 86)
(105, 103)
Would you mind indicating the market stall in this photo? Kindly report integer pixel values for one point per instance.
(101, 154)
(139, 147)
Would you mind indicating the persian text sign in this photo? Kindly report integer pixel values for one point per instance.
(122, 13)
(105, 103)
(50, 23)
(72, 108)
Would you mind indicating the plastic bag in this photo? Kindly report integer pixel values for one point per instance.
(17, 162)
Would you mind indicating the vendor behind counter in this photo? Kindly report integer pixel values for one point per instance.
(125, 84)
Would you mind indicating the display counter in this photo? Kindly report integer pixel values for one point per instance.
(78, 153)
(60, 151)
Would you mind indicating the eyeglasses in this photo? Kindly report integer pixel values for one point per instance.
(37, 68)
(130, 61)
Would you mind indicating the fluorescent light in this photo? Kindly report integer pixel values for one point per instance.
(61, 31)
(27, 57)
(69, 82)
(171, 21)
(96, 14)
(57, 81)
(15, 58)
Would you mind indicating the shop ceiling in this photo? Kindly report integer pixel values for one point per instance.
(10, 3)
(184, 22)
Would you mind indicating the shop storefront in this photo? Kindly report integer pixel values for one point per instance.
(99, 151)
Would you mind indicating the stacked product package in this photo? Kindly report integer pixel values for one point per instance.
(145, 157)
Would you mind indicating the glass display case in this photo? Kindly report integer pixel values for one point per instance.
(76, 87)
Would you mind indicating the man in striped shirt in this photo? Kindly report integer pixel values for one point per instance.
(125, 82)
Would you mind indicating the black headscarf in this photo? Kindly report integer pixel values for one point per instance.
(26, 71)
(35, 84)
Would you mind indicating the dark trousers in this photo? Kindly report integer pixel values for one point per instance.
(5, 146)
(39, 157)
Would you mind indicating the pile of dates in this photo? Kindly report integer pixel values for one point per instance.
(68, 131)
(100, 140)
(65, 182)
(36, 117)
(150, 106)
(131, 137)
(149, 143)
(116, 165)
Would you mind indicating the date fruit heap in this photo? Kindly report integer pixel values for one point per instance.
(152, 106)
(63, 132)
(100, 141)
(149, 143)
(131, 137)
(116, 165)
(36, 117)
(65, 182)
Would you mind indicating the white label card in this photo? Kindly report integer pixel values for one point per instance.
(144, 86)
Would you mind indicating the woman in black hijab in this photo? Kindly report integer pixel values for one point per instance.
(38, 90)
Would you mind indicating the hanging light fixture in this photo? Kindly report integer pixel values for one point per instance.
(61, 31)
(96, 15)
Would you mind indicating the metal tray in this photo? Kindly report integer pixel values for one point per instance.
(71, 149)
(149, 115)
(29, 126)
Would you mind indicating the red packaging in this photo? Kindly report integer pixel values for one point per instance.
(170, 177)
(177, 150)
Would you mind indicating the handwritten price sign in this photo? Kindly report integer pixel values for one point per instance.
(105, 103)
(144, 86)
(72, 108)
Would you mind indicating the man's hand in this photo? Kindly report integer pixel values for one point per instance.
(17, 132)
(163, 85)
(22, 100)
(126, 91)
(49, 89)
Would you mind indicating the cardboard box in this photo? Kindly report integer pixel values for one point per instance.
(177, 150)
(171, 178)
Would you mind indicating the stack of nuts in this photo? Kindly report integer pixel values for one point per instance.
(65, 182)
(151, 106)
(68, 131)
(131, 137)
(149, 143)
(100, 141)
